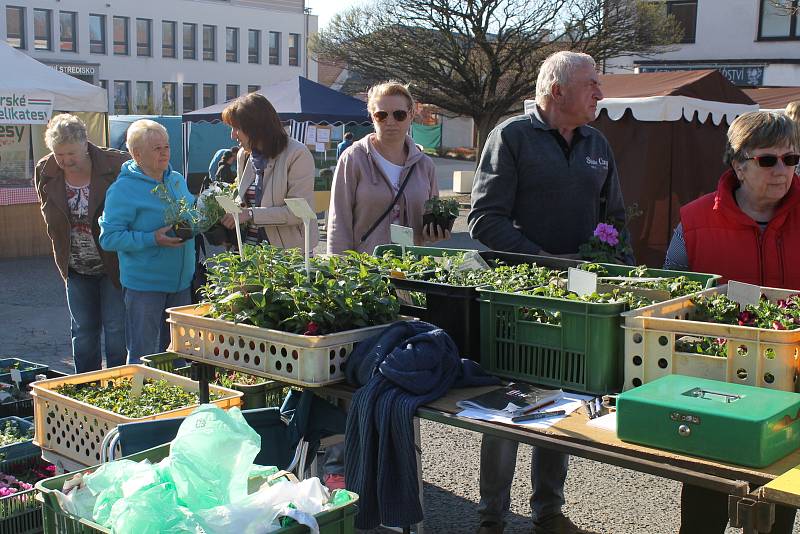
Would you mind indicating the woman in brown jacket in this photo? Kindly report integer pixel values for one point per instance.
(71, 183)
(371, 173)
(270, 168)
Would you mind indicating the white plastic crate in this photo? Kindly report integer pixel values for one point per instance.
(755, 356)
(310, 361)
(74, 430)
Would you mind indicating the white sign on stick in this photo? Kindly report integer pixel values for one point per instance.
(743, 293)
(323, 135)
(319, 147)
(473, 262)
(300, 208)
(581, 282)
(402, 235)
(230, 206)
(311, 135)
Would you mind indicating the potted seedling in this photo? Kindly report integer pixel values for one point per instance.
(441, 212)
(212, 212)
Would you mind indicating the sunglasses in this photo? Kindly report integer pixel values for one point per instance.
(399, 115)
(770, 160)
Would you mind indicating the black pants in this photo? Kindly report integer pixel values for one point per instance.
(705, 511)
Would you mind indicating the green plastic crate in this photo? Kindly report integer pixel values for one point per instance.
(21, 513)
(266, 395)
(339, 520)
(584, 353)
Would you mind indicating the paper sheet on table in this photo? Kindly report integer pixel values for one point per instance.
(606, 422)
(569, 402)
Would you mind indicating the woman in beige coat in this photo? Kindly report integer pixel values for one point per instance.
(372, 172)
(271, 168)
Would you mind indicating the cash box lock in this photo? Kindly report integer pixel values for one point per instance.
(684, 431)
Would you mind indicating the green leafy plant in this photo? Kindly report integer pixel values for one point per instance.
(157, 396)
(11, 433)
(208, 208)
(609, 242)
(782, 314)
(269, 288)
(444, 208)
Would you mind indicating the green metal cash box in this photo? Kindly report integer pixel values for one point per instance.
(733, 423)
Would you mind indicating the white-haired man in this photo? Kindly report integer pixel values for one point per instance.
(543, 183)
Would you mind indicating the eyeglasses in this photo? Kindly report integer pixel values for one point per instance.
(399, 115)
(770, 160)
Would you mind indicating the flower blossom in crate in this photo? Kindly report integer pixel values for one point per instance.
(606, 233)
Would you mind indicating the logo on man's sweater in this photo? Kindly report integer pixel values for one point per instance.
(597, 163)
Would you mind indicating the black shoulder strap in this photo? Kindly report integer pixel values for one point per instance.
(391, 206)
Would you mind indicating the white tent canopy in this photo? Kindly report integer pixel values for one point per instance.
(25, 75)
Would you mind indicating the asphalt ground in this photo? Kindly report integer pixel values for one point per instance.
(34, 325)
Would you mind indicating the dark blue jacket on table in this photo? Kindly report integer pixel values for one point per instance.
(410, 364)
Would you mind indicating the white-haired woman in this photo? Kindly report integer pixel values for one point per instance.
(71, 183)
(156, 269)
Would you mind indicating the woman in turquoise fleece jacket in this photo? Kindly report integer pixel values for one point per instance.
(156, 268)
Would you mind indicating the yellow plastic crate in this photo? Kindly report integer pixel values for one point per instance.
(755, 356)
(75, 430)
(310, 361)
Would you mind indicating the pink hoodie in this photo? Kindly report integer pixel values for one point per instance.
(362, 192)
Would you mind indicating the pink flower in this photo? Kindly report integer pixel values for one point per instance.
(311, 329)
(746, 318)
(777, 325)
(606, 233)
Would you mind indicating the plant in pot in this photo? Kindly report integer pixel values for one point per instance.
(441, 212)
(213, 213)
(180, 214)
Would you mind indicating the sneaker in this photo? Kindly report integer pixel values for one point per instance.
(556, 524)
(491, 527)
(334, 481)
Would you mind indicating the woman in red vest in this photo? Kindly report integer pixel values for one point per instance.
(748, 230)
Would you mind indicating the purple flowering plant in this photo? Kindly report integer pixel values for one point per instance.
(609, 243)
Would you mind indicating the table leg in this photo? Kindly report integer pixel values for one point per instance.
(750, 513)
(204, 373)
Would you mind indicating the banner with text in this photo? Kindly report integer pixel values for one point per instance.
(24, 108)
(15, 163)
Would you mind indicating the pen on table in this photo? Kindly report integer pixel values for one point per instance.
(589, 408)
(537, 415)
(529, 410)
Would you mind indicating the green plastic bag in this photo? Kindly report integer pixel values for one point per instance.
(211, 457)
(152, 510)
(115, 480)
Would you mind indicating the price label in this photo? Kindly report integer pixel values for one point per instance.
(743, 293)
(402, 235)
(228, 204)
(16, 376)
(473, 262)
(136, 386)
(581, 282)
(300, 208)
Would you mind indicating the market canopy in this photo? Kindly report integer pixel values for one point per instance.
(774, 97)
(44, 88)
(299, 99)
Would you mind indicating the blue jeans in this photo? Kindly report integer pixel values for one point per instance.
(95, 306)
(498, 461)
(146, 320)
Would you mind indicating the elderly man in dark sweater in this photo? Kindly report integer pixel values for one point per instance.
(543, 183)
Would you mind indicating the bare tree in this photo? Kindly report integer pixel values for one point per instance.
(786, 7)
(480, 58)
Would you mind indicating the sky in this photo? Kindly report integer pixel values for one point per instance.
(326, 9)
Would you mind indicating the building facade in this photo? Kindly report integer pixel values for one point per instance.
(165, 56)
(752, 42)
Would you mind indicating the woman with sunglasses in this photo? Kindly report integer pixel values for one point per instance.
(748, 230)
(382, 179)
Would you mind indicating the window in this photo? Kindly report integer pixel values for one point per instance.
(685, 12)
(253, 46)
(122, 93)
(144, 98)
(232, 45)
(120, 36)
(67, 31)
(144, 37)
(97, 34)
(778, 23)
(15, 26)
(253, 88)
(42, 36)
(209, 43)
(169, 92)
(189, 97)
(231, 92)
(294, 49)
(209, 94)
(274, 48)
(168, 38)
(189, 41)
